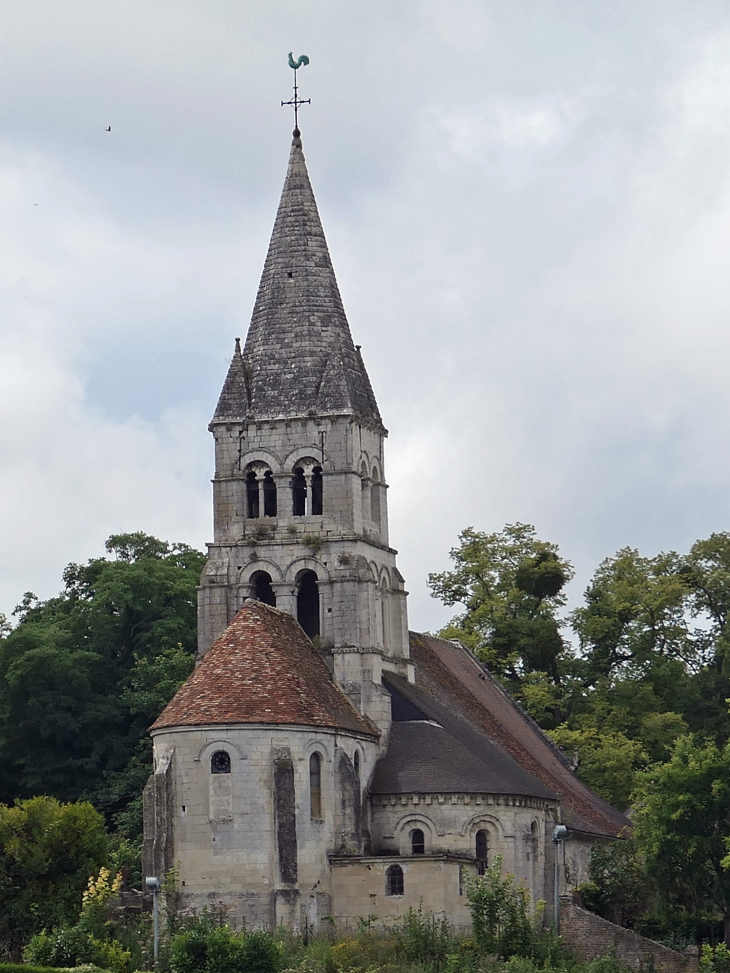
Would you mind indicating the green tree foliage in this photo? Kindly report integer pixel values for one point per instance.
(682, 826)
(84, 674)
(511, 586)
(619, 888)
(650, 660)
(47, 852)
(500, 914)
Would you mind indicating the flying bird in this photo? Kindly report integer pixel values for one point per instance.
(303, 59)
(109, 128)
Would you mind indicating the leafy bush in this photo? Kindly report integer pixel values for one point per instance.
(47, 852)
(74, 946)
(715, 959)
(499, 913)
(424, 938)
(208, 948)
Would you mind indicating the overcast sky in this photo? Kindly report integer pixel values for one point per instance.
(527, 204)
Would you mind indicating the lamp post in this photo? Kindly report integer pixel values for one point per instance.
(560, 836)
(153, 884)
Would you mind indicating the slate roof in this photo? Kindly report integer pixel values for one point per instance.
(446, 754)
(299, 357)
(263, 669)
(454, 689)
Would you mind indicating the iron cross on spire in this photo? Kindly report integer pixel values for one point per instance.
(296, 101)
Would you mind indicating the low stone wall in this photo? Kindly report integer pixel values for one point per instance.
(588, 935)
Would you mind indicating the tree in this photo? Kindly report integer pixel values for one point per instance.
(682, 825)
(511, 586)
(74, 707)
(48, 851)
(607, 761)
(636, 612)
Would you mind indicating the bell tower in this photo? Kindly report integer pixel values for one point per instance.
(300, 493)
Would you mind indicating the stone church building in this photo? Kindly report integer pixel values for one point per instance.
(321, 760)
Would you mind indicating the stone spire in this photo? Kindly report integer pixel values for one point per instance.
(299, 358)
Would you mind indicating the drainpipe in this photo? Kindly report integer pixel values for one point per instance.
(560, 836)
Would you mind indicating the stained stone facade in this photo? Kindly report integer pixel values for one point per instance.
(322, 760)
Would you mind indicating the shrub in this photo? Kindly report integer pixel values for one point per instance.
(499, 913)
(73, 947)
(206, 948)
(715, 959)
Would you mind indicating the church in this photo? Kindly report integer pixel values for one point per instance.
(322, 762)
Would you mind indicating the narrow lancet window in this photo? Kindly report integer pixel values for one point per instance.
(394, 880)
(308, 603)
(317, 490)
(315, 786)
(299, 493)
(481, 852)
(252, 495)
(269, 494)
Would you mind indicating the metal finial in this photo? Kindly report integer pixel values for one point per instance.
(296, 101)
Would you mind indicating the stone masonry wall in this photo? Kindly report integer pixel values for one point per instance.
(588, 935)
(247, 838)
(518, 829)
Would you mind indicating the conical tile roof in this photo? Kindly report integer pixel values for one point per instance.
(263, 669)
(299, 357)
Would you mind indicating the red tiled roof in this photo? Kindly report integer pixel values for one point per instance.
(447, 671)
(263, 669)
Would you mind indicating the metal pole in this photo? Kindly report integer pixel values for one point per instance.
(153, 884)
(156, 925)
(560, 834)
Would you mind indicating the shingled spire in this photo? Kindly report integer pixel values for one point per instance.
(299, 358)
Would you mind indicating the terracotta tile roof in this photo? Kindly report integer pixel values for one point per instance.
(263, 669)
(451, 675)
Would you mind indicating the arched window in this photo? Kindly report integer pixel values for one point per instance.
(375, 500)
(317, 490)
(356, 762)
(299, 493)
(261, 588)
(394, 880)
(418, 842)
(220, 762)
(252, 495)
(269, 494)
(481, 855)
(308, 603)
(315, 787)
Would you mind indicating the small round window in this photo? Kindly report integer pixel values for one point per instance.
(220, 762)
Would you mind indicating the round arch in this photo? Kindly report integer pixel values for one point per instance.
(482, 820)
(407, 824)
(307, 457)
(260, 456)
(306, 563)
(208, 749)
(262, 564)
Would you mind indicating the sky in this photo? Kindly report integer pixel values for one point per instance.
(527, 204)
